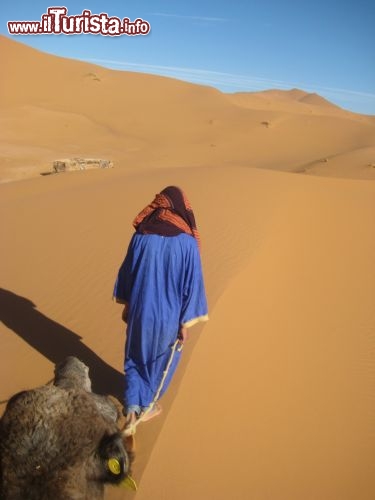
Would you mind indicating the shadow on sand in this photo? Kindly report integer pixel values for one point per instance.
(56, 342)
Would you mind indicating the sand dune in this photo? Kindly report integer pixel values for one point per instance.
(274, 399)
(286, 400)
(54, 107)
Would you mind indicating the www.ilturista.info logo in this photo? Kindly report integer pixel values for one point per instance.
(56, 21)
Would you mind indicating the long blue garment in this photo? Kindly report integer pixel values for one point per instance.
(161, 281)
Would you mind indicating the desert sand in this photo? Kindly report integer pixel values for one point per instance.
(274, 398)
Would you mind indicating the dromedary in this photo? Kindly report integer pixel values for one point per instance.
(61, 441)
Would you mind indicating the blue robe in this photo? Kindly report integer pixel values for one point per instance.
(161, 281)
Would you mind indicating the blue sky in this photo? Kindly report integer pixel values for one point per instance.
(323, 46)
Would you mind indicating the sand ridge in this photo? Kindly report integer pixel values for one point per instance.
(274, 396)
(70, 108)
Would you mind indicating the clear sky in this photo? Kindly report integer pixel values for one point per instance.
(323, 46)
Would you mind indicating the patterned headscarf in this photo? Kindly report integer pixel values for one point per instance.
(169, 214)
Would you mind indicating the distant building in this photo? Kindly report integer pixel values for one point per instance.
(70, 164)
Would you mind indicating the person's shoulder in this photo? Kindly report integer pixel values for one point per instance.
(188, 242)
(145, 237)
(186, 238)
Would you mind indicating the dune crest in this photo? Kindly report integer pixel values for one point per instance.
(59, 108)
(274, 396)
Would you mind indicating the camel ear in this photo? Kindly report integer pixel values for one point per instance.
(114, 467)
(114, 458)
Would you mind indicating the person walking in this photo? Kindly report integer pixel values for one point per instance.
(160, 283)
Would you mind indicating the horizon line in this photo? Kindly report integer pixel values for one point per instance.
(230, 79)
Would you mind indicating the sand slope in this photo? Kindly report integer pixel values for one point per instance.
(274, 398)
(54, 107)
(282, 382)
(283, 372)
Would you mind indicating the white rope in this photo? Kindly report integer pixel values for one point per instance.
(165, 374)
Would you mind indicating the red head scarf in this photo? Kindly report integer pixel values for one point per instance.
(169, 214)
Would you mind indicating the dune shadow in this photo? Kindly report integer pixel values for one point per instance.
(56, 342)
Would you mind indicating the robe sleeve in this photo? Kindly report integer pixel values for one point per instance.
(194, 302)
(123, 285)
